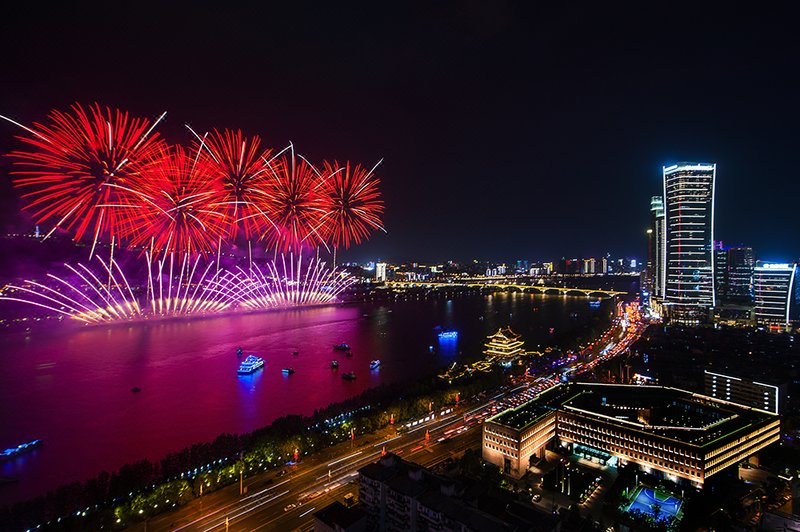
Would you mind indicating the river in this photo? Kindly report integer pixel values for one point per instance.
(72, 386)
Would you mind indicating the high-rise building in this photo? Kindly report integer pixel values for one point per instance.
(741, 262)
(380, 272)
(720, 270)
(689, 235)
(657, 223)
(773, 285)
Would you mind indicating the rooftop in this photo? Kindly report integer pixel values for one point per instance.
(668, 412)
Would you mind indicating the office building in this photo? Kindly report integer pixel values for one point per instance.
(659, 242)
(380, 272)
(685, 437)
(720, 270)
(745, 391)
(689, 289)
(741, 263)
(773, 286)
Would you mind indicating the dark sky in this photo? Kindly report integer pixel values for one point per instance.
(509, 130)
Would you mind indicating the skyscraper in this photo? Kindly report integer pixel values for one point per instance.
(774, 290)
(689, 235)
(741, 262)
(657, 245)
(380, 272)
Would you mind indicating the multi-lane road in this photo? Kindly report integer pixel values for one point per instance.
(287, 499)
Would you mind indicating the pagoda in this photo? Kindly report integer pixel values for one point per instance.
(504, 345)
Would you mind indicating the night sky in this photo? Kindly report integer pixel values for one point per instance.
(507, 130)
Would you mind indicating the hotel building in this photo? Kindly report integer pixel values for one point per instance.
(774, 290)
(684, 436)
(689, 290)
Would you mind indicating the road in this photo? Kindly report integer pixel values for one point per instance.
(287, 501)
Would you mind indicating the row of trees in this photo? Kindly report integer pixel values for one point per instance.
(143, 489)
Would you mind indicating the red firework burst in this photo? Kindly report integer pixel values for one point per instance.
(78, 158)
(294, 204)
(352, 203)
(245, 172)
(172, 205)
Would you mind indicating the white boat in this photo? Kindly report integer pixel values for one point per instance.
(250, 365)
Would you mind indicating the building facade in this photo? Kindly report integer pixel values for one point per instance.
(684, 436)
(744, 391)
(380, 272)
(657, 243)
(741, 266)
(689, 290)
(773, 286)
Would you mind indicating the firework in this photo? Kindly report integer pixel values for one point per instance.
(177, 287)
(172, 207)
(292, 285)
(351, 203)
(76, 159)
(294, 204)
(244, 170)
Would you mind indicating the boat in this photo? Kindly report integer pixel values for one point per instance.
(375, 364)
(341, 347)
(239, 352)
(334, 364)
(287, 371)
(136, 389)
(348, 353)
(250, 365)
(448, 335)
(13, 452)
(295, 353)
(349, 376)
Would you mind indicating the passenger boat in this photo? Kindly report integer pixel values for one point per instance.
(287, 371)
(448, 335)
(375, 364)
(13, 452)
(250, 365)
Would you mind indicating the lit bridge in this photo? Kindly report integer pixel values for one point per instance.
(513, 287)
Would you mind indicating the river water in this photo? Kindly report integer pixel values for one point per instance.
(71, 387)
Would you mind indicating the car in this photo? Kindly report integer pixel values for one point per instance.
(288, 507)
(536, 498)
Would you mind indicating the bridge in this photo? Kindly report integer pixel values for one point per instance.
(536, 289)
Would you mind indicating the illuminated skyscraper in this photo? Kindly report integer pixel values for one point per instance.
(774, 290)
(656, 258)
(380, 271)
(741, 262)
(689, 235)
